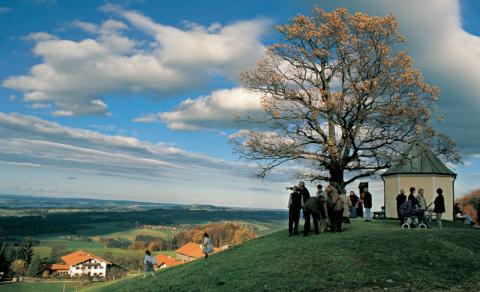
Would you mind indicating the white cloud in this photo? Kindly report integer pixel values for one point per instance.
(448, 56)
(39, 37)
(75, 75)
(85, 26)
(222, 109)
(27, 139)
(39, 105)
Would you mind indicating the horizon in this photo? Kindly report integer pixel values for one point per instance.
(156, 126)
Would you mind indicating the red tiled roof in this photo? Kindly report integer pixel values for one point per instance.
(81, 256)
(193, 250)
(168, 261)
(57, 267)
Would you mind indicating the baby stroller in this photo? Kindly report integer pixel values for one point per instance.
(413, 217)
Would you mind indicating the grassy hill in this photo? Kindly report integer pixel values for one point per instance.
(370, 256)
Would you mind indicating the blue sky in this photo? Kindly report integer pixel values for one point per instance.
(154, 126)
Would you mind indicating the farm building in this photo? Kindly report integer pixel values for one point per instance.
(418, 167)
(192, 251)
(81, 263)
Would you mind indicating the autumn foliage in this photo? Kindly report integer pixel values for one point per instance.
(340, 97)
(469, 204)
(228, 233)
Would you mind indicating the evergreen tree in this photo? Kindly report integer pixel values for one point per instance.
(35, 268)
(25, 251)
(10, 253)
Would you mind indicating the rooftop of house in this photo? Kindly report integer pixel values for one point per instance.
(418, 159)
(81, 256)
(193, 250)
(57, 267)
(168, 261)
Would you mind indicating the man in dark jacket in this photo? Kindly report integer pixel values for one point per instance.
(367, 203)
(294, 207)
(401, 198)
(411, 197)
(306, 213)
(439, 207)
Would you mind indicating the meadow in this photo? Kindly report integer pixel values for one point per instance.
(368, 256)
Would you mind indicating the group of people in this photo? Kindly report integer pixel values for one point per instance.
(330, 209)
(418, 205)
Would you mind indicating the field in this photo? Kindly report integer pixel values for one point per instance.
(39, 287)
(369, 255)
(57, 231)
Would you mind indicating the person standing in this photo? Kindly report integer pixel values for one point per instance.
(207, 246)
(367, 204)
(401, 198)
(347, 204)
(322, 202)
(360, 207)
(149, 261)
(422, 205)
(294, 207)
(353, 203)
(439, 207)
(412, 199)
(335, 208)
(306, 213)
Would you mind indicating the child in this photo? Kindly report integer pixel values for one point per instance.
(207, 245)
(149, 261)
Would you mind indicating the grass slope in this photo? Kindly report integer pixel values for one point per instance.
(369, 256)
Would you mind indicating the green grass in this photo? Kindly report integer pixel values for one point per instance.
(107, 230)
(132, 233)
(370, 256)
(39, 287)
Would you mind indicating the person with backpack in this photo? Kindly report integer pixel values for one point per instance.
(207, 246)
(149, 262)
(439, 207)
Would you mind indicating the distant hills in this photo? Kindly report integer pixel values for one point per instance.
(8, 201)
(29, 201)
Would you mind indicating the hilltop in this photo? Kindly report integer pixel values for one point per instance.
(370, 256)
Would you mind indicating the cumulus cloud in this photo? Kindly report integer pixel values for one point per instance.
(222, 109)
(75, 76)
(448, 56)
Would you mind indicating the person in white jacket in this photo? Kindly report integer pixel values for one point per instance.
(207, 246)
(149, 262)
(347, 204)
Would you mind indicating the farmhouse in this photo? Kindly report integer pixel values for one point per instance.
(164, 261)
(192, 251)
(81, 263)
(418, 167)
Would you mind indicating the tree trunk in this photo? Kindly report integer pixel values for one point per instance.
(336, 176)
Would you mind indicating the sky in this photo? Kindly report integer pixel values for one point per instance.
(137, 100)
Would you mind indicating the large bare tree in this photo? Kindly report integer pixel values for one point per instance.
(341, 98)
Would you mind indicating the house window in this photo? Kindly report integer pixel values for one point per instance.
(77, 268)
